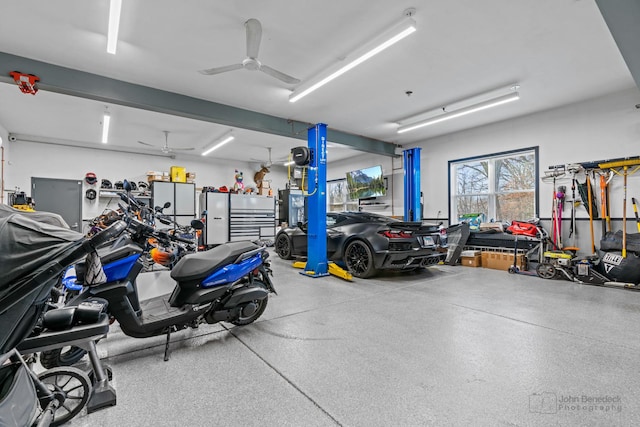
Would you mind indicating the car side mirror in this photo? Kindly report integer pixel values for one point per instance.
(126, 185)
(166, 205)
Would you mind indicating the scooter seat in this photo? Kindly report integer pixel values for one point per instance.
(197, 266)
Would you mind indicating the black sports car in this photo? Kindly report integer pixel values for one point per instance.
(367, 242)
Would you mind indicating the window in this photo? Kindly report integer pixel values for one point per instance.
(338, 197)
(501, 186)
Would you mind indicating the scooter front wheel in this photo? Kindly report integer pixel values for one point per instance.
(250, 312)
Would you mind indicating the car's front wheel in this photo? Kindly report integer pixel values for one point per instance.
(283, 246)
(359, 259)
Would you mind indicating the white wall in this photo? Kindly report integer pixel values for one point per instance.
(5, 149)
(30, 159)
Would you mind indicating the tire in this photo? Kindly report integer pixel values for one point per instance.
(73, 386)
(359, 259)
(260, 306)
(546, 271)
(65, 356)
(283, 246)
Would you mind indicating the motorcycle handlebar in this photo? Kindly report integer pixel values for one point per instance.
(145, 229)
(166, 235)
(107, 234)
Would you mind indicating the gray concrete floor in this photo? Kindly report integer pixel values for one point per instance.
(447, 346)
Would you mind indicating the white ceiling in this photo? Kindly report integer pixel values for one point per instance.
(559, 51)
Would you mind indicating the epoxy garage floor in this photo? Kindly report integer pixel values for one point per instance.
(447, 346)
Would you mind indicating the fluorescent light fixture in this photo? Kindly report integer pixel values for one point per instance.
(385, 39)
(219, 142)
(114, 25)
(461, 112)
(105, 127)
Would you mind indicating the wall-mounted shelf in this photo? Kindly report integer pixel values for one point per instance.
(114, 193)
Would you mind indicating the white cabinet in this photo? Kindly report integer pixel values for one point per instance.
(182, 197)
(216, 227)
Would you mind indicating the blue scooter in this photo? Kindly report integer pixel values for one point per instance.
(228, 283)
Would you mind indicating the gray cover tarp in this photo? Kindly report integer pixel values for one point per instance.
(47, 217)
(26, 244)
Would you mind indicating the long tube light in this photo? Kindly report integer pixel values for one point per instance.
(219, 143)
(106, 120)
(387, 38)
(461, 112)
(114, 25)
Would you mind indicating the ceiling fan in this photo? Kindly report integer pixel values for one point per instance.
(264, 164)
(254, 35)
(165, 148)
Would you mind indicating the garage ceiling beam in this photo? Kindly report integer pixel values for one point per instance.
(622, 18)
(72, 82)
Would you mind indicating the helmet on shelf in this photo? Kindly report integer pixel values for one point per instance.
(133, 185)
(142, 186)
(106, 184)
(119, 185)
(90, 178)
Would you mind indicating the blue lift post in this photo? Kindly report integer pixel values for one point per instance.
(317, 264)
(412, 208)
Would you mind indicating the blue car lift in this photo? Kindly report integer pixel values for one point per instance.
(412, 208)
(317, 264)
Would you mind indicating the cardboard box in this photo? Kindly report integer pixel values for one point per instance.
(264, 184)
(471, 261)
(178, 174)
(501, 260)
(470, 253)
(158, 176)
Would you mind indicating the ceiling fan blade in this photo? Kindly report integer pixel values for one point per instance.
(279, 75)
(181, 149)
(146, 143)
(219, 70)
(254, 35)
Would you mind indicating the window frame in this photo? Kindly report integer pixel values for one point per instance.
(492, 179)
